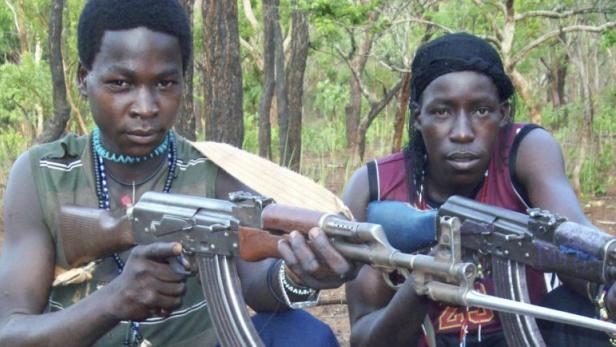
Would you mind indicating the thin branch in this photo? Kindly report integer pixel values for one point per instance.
(492, 40)
(12, 9)
(499, 5)
(390, 66)
(564, 14)
(423, 21)
(253, 52)
(548, 36)
(250, 16)
(371, 98)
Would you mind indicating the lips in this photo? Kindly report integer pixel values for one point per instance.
(142, 136)
(462, 160)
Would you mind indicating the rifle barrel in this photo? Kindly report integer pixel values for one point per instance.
(473, 298)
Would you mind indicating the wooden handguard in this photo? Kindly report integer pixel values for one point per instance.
(257, 244)
(87, 234)
(288, 218)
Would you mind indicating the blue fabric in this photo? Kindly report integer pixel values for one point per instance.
(293, 328)
(564, 335)
(407, 228)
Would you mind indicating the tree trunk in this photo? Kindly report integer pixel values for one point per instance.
(223, 94)
(269, 78)
(403, 101)
(586, 134)
(61, 108)
(353, 108)
(295, 84)
(282, 104)
(375, 109)
(559, 73)
(352, 113)
(185, 124)
(521, 85)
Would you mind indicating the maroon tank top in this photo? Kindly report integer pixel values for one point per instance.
(500, 189)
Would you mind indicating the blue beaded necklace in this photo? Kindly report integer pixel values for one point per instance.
(123, 158)
(104, 200)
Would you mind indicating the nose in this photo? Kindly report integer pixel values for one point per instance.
(462, 129)
(145, 104)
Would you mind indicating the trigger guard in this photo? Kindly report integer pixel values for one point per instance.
(387, 276)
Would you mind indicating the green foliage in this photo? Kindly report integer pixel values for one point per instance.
(331, 17)
(595, 177)
(329, 99)
(11, 145)
(9, 42)
(26, 88)
(25, 98)
(608, 39)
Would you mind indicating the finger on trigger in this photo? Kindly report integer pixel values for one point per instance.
(327, 252)
(162, 250)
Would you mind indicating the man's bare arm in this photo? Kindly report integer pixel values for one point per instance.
(26, 273)
(147, 285)
(379, 315)
(540, 168)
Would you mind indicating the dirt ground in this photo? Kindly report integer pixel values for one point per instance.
(333, 310)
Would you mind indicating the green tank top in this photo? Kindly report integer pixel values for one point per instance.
(64, 174)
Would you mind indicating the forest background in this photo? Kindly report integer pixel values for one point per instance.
(322, 86)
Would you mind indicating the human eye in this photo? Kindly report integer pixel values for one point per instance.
(482, 112)
(167, 83)
(441, 112)
(117, 84)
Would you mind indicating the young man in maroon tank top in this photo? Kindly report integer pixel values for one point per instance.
(463, 142)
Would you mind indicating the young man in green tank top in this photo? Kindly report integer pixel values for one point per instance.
(133, 56)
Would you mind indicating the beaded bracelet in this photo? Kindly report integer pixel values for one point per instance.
(604, 314)
(309, 296)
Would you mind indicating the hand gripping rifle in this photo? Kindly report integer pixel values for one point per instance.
(215, 231)
(541, 239)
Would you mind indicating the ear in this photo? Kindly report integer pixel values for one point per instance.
(416, 114)
(82, 77)
(505, 114)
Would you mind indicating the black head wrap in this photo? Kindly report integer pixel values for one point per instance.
(457, 52)
(448, 53)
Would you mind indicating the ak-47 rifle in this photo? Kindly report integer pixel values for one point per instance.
(512, 240)
(216, 231)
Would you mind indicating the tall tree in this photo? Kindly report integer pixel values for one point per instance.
(185, 125)
(61, 108)
(280, 87)
(269, 78)
(585, 139)
(291, 153)
(284, 80)
(18, 17)
(505, 36)
(223, 94)
(356, 60)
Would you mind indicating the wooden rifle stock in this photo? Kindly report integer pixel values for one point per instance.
(90, 233)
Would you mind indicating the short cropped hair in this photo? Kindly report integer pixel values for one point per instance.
(98, 16)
